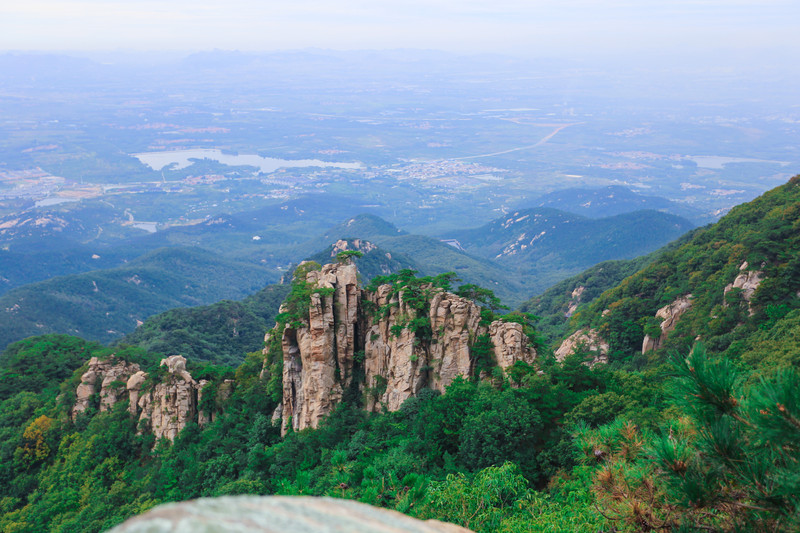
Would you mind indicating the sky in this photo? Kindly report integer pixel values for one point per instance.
(520, 27)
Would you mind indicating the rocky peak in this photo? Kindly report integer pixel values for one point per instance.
(400, 351)
(172, 403)
(166, 407)
(358, 245)
(318, 356)
(107, 377)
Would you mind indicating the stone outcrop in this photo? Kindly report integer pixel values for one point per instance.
(510, 344)
(359, 245)
(278, 514)
(172, 403)
(166, 407)
(584, 339)
(397, 359)
(669, 315)
(134, 387)
(575, 300)
(402, 364)
(318, 358)
(107, 378)
(748, 281)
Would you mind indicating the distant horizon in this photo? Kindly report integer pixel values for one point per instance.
(540, 28)
(744, 61)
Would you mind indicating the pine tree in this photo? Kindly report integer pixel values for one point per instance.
(731, 463)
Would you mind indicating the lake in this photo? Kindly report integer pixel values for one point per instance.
(182, 159)
(718, 162)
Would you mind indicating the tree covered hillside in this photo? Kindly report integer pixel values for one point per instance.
(559, 303)
(220, 333)
(757, 242)
(544, 245)
(103, 305)
(699, 433)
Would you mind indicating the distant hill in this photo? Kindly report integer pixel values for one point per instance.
(431, 256)
(105, 304)
(560, 302)
(366, 226)
(741, 277)
(550, 245)
(616, 200)
(375, 262)
(221, 333)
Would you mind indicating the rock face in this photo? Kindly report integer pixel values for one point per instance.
(510, 344)
(318, 358)
(173, 402)
(354, 244)
(397, 359)
(748, 281)
(278, 514)
(399, 365)
(587, 339)
(669, 315)
(108, 378)
(134, 386)
(576, 295)
(166, 407)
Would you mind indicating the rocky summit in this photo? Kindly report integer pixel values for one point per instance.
(377, 342)
(381, 336)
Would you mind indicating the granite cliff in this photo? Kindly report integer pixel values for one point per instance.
(165, 407)
(386, 342)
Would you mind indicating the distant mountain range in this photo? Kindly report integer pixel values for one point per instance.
(616, 200)
(103, 290)
(104, 304)
(547, 245)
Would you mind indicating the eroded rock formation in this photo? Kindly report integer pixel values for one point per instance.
(107, 377)
(669, 315)
(584, 339)
(173, 402)
(166, 406)
(318, 358)
(397, 359)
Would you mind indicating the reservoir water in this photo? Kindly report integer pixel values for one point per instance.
(719, 162)
(182, 159)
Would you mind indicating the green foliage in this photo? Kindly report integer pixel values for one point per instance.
(482, 354)
(479, 295)
(479, 502)
(764, 233)
(299, 298)
(730, 465)
(40, 364)
(222, 332)
(347, 255)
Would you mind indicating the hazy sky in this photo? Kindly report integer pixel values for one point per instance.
(538, 27)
